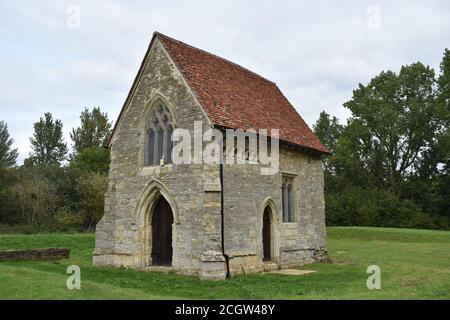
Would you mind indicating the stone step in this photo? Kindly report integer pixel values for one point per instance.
(270, 266)
(162, 269)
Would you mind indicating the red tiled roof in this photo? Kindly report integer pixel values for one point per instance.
(234, 97)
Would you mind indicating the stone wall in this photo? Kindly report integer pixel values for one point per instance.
(122, 235)
(194, 193)
(245, 193)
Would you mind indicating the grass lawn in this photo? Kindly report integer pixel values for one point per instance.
(415, 264)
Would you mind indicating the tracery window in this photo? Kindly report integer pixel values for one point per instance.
(159, 136)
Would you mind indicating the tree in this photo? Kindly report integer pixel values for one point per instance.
(47, 144)
(444, 83)
(9, 210)
(394, 122)
(328, 130)
(92, 187)
(36, 197)
(8, 156)
(441, 184)
(93, 159)
(390, 162)
(93, 132)
(443, 99)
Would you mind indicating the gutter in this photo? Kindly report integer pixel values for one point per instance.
(222, 222)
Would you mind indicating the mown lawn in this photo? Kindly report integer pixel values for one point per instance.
(415, 264)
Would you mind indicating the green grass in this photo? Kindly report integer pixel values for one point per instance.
(415, 264)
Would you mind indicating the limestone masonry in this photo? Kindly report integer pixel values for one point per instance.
(223, 218)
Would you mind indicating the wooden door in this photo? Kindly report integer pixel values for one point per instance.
(162, 234)
(266, 236)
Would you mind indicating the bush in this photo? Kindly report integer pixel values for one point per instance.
(353, 206)
(51, 198)
(66, 220)
(91, 187)
(92, 159)
(350, 207)
(9, 210)
(37, 198)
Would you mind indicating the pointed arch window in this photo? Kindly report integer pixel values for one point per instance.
(287, 199)
(284, 200)
(159, 136)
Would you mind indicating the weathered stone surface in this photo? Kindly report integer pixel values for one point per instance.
(292, 272)
(123, 236)
(294, 244)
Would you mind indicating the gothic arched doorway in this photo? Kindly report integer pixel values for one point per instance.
(162, 220)
(267, 234)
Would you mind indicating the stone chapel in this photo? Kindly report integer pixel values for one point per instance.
(203, 219)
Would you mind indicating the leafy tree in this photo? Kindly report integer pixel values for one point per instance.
(444, 111)
(94, 130)
(441, 184)
(94, 159)
(64, 180)
(390, 162)
(393, 122)
(328, 130)
(92, 187)
(47, 143)
(444, 83)
(9, 210)
(8, 156)
(36, 197)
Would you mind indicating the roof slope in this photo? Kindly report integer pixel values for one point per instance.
(235, 97)
(232, 96)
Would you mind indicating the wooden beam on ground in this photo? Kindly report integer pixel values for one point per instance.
(44, 254)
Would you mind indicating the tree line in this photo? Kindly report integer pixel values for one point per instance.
(390, 161)
(389, 165)
(56, 190)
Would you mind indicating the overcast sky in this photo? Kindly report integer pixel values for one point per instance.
(52, 59)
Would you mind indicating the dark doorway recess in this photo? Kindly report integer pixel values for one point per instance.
(267, 234)
(162, 233)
